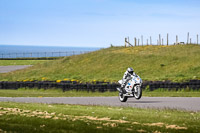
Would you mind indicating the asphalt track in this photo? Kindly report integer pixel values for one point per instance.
(5, 69)
(179, 103)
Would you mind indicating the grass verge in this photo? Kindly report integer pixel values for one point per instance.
(59, 93)
(21, 62)
(23, 117)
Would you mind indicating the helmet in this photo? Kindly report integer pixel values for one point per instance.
(130, 70)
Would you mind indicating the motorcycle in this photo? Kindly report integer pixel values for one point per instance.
(131, 89)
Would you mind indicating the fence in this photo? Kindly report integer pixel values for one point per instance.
(41, 54)
(99, 86)
(160, 40)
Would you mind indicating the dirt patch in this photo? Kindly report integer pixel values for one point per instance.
(101, 119)
(175, 127)
(159, 124)
(46, 115)
(141, 131)
(129, 129)
(111, 123)
(156, 132)
(136, 123)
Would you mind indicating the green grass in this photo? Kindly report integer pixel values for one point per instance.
(176, 63)
(21, 62)
(52, 93)
(58, 93)
(24, 117)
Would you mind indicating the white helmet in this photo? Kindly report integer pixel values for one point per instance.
(130, 70)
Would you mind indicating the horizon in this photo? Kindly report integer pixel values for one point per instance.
(96, 23)
(49, 46)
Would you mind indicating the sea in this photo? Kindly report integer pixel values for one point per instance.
(21, 51)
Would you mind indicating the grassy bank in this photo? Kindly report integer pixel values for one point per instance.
(59, 93)
(176, 63)
(22, 117)
(21, 62)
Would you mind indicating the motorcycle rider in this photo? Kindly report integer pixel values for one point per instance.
(126, 78)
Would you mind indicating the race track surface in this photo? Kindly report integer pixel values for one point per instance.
(5, 69)
(180, 103)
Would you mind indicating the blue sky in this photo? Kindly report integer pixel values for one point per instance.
(96, 23)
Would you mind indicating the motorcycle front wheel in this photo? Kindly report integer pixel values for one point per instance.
(122, 98)
(138, 92)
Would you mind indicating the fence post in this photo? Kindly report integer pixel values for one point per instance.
(125, 42)
(138, 42)
(190, 40)
(135, 41)
(162, 41)
(159, 39)
(167, 39)
(150, 41)
(142, 39)
(197, 39)
(188, 36)
(176, 39)
(147, 42)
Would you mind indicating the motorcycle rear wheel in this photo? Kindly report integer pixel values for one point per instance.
(122, 98)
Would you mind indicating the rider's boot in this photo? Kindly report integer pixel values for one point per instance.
(123, 90)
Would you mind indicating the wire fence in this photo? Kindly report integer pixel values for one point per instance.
(141, 41)
(41, 54)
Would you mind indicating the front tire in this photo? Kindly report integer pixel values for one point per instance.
(122, 98)
(138, 92)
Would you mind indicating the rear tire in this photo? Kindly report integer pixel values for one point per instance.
(122, 98)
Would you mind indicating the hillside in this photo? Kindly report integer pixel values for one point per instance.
(177, 63)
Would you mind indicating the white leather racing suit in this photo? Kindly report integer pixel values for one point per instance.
(125, 79)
